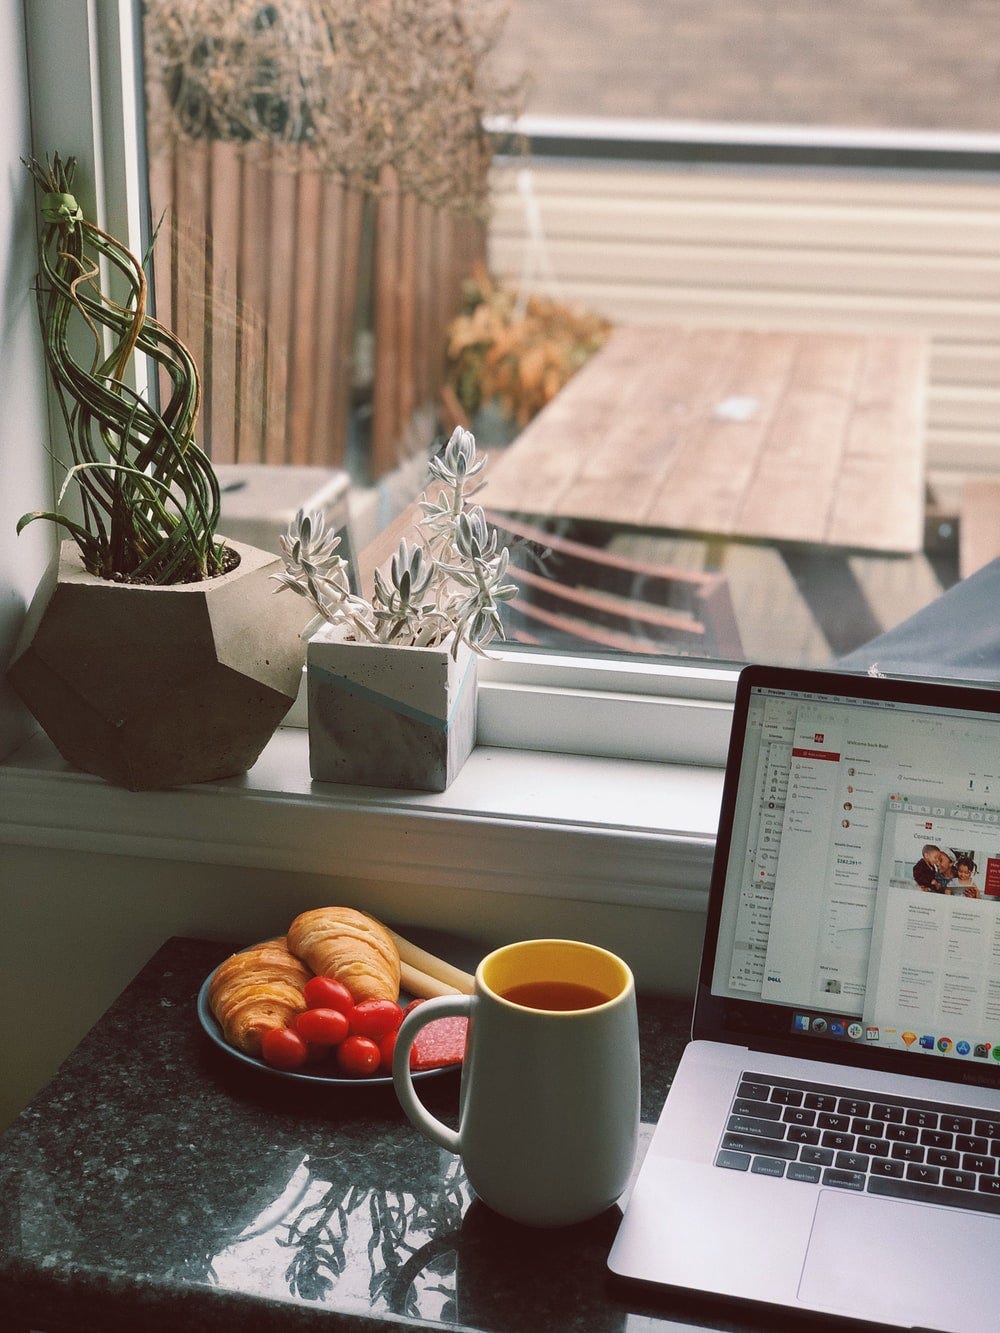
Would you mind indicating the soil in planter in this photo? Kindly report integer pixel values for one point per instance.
(230, 561)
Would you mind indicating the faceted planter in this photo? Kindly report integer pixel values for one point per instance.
(385, 716)
(154, 687)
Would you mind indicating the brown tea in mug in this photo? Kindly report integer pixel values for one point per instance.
(555, 995)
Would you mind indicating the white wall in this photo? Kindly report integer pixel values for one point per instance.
(24, 474)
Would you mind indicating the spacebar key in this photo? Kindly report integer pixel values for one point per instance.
(916, 1192)
(765, 1147)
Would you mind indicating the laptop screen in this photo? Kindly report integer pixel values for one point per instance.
(856, 891)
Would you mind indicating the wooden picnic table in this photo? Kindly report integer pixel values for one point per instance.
(784, 437)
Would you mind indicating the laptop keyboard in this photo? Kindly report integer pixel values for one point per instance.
(819, 1135)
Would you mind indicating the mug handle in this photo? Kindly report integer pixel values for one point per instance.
(443, 1006)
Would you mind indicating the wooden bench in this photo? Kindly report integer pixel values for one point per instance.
(978, 525)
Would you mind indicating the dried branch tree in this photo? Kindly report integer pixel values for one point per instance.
(366, 84)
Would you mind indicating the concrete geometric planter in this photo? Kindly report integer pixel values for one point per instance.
(386, 716)
(155, 687)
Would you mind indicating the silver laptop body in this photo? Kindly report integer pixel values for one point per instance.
(831, 1140)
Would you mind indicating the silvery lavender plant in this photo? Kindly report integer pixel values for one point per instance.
(450, 584)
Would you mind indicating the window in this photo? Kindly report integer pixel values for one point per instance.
(791, 190)
(575, 701)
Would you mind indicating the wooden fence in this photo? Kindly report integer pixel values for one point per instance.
(265, 269)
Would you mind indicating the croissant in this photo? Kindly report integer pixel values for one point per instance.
(350, 946)
(255, 990)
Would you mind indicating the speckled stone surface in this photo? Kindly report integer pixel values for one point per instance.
(157, 1184)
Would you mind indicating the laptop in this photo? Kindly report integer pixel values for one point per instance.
(831, 1140)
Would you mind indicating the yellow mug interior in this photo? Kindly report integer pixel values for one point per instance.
(554, 960)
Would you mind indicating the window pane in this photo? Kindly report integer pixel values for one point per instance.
(778, 413)
(786, 396)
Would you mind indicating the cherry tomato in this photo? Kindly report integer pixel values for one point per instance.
(326, 993)
(374, 1018)
(322, 1027)
(358, 1055)
(387, 1047)
(283, 1049)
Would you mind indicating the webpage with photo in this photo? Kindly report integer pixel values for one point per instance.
(934, 971)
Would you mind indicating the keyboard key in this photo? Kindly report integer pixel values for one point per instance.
(758, 1092)
(886, 1166)
(873, 1128)
(956, 1124)
(985, 1166)
(748, 1124)
(769, 1147)
(802, 1171)
(889, 1115)
(990, 1185)
(796, 1115)
(972, 1143)
(875, 1147)
(852, 1161)
(916, 1190)
(830, 1120)
(734, 1161)
(762, 1110)
(902, 1134)
(907, 1152)
(926, 1175)
(786, 1096)
(843, 1142)
(767, 1166)
(987, 1129)
(936, 1138)
(922, 1119)
(943, 1157)
(845, 1180)
(818, 1156)
(958, 1180)
(850, 1106)
(820, 1101)
(802, 1134)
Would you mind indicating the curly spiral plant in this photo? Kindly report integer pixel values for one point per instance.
(149, 495)
(451, 585)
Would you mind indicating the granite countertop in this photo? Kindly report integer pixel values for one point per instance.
(157, 1183)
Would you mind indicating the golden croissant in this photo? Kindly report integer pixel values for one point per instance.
(258, 989)
(350, 946)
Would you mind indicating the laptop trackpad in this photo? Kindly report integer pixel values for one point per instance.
(877, 1257)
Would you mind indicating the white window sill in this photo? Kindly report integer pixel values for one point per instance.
(548, 824)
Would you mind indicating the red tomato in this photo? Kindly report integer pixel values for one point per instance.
(387, 1047)
(358, 1055)
(326, 993)
(322, 1027)
(283, 1049)
(374, 1018)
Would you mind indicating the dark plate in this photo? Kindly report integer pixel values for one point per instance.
(458, 950)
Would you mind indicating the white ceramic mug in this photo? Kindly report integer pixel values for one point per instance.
(549, 1103)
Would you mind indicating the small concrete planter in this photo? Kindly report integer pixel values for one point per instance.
(155, 687)
(385, 716)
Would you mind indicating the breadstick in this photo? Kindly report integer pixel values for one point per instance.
(436, 968)
(421, 984)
